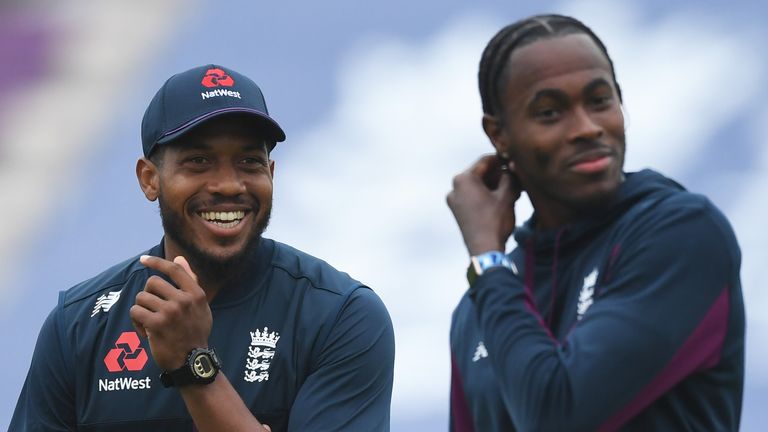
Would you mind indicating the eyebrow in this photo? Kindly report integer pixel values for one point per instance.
(560, 95)
(201, 145)
(594, 84)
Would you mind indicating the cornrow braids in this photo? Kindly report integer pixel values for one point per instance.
(496, 55)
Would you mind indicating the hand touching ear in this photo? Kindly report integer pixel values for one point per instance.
(483, 203)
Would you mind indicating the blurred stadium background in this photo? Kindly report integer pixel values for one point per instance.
(380, 106)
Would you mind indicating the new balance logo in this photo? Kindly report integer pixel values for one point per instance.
(105, 302)
(586, 293)
(480, 352)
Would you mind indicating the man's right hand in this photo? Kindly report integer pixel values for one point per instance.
(175, 320)
(483, 203)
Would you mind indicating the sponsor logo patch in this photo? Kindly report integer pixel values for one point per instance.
(217, 77)
(127, 355)
(126, 383)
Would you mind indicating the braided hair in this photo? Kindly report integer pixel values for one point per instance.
(496, 55)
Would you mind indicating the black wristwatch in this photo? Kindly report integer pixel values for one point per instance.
(201, 367)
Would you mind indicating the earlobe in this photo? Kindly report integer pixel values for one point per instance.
(495, 132)
(149, 178)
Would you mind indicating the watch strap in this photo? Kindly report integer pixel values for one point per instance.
(480, 264)
(201, 368)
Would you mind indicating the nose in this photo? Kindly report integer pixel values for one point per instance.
(226, 180)
(584, 126)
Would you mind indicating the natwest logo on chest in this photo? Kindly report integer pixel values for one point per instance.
(127, 355)
(124, 384)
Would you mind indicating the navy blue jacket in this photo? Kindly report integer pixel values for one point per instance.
(629, 319)
(305, 346)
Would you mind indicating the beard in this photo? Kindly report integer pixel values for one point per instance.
(206, 265)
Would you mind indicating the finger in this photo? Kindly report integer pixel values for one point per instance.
(141, 318)
(150, 301)
(139, 328)
(180, 260)
(488, 169)
(486, 163)
(161, 288)
(176, 272)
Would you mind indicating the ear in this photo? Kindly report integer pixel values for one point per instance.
(272, 168)
(497, 134)
(148, 175)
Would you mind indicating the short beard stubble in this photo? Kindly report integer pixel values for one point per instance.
(209, 267)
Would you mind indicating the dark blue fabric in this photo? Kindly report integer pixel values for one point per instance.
(645, 273)
(331, 369)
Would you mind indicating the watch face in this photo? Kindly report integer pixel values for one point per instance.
(202, 365)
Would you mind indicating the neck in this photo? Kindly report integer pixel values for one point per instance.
(212, 275)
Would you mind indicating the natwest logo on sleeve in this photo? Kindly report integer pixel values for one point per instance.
(217, 77)
(127, 354)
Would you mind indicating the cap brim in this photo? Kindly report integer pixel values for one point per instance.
(273, 131)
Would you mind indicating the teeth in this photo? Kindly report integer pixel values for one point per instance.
(224, 219)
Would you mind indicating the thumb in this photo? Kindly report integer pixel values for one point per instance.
(180, 260)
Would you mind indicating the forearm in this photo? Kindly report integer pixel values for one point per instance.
(536, 385)
(218, 407)
(614, 356)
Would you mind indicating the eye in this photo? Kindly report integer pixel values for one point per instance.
(254, 162)
(196, 163)
(198, 160)
(547, 114)
(601, 101)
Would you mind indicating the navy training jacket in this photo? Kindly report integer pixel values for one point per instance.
(630, 319)
(305, 346)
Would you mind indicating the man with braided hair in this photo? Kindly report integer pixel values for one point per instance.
(621, 306)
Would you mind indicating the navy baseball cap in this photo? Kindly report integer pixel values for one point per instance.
(190, 98)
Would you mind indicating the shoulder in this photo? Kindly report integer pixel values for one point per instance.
(673, 208)
(112, 278)
(670, 228)
(327, 294)
(102, 293)
(300, 266)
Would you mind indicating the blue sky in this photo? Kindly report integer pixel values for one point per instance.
(380, 106)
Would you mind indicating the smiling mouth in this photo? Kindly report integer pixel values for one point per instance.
(226, 219)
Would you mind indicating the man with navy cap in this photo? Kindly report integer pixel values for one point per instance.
(216, 328)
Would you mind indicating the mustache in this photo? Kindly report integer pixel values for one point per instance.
(586, 145)
(220, 200)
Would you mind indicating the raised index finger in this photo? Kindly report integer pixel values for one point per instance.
(176, 272)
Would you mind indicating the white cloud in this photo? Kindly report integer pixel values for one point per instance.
(678, 76)
(750, 213)
(366, 191)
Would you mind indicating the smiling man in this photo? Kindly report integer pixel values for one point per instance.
(621, 306)
(216, 328)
